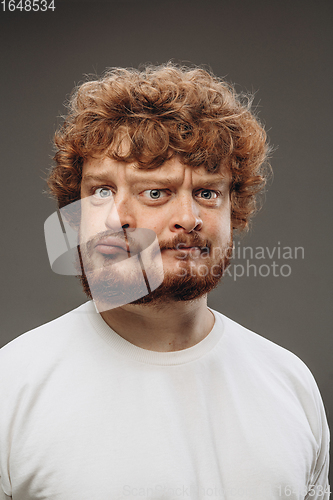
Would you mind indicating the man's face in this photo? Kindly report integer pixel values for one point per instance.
(187, 208)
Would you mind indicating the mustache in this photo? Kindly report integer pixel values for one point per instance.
(182, 240)
(177, 243)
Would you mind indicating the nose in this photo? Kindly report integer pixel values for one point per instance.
(119, 215)
(186, 217)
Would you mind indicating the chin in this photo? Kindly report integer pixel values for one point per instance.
(186, 279)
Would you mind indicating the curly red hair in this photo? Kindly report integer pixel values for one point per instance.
(164, 111)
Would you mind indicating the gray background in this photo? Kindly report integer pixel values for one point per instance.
(280, 50)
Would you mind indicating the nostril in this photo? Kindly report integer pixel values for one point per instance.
(125, 226)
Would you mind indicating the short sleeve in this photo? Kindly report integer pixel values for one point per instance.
(3, 496)
(319, 488)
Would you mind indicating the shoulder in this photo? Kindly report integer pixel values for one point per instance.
(265, 358)
(46, 340)
(254, 346)
(274, 372)
(279, 377)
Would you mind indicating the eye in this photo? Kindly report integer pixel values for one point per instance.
(102, 192)
(208, 194)
(154, 194)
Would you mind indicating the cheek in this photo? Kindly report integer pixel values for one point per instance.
(85, 229)
(219, 225)
(220, 235)
(92, 223)
(157, 221)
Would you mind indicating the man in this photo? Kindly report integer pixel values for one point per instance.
(146, 392)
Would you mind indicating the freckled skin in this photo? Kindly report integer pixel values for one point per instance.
(175, 201)
(177, 211)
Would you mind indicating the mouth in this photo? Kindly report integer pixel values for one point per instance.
(111, 246)
(185, 249)
(189, 248)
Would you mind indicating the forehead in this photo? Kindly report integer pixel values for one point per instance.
(172, 171)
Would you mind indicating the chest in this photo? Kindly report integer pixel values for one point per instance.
(160, 435)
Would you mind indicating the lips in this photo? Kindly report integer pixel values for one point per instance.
(111, 245)
(186, 249)
(182, 246)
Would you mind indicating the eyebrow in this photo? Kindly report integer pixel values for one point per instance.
(162, 182)
(213, 183)
(96, 177)
(202, 183)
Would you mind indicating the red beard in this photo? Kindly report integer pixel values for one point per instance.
(188, 282)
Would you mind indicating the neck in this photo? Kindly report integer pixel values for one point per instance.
(169, 327)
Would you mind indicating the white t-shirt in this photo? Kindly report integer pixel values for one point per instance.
(86, 415)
